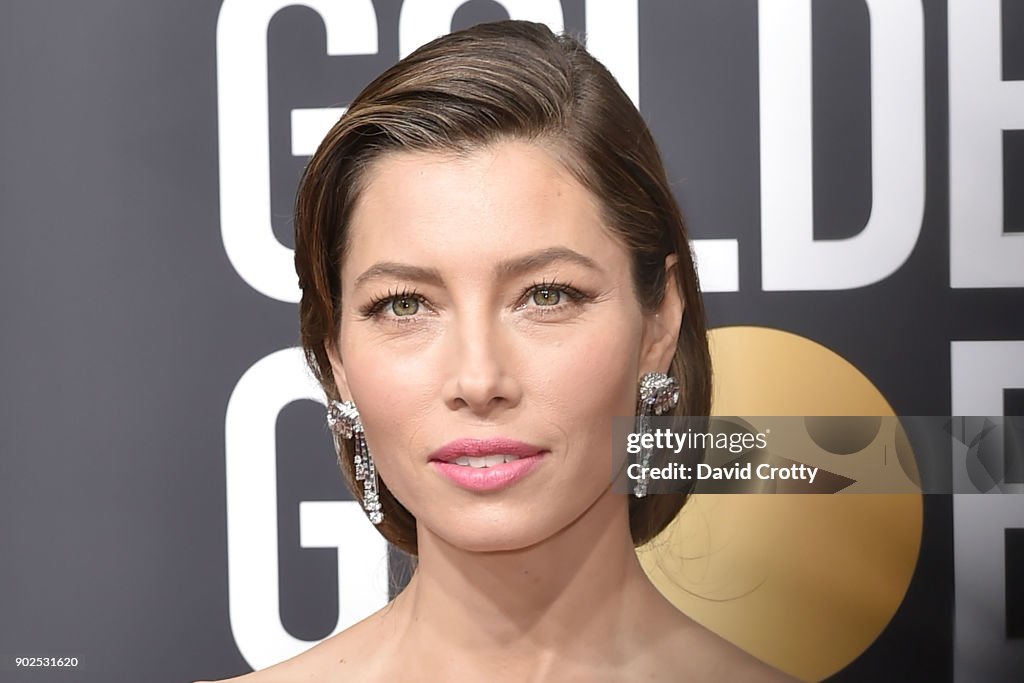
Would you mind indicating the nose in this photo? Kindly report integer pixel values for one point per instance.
(481, 359)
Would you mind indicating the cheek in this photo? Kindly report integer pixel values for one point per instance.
(379, 377)
(394, 391)
(591, 375)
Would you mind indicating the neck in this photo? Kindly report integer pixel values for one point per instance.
(577, 592)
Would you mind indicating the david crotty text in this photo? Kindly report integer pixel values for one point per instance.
(701, 471)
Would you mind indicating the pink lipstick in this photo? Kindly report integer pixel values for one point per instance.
(486, 464)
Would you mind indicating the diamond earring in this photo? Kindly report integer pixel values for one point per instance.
(343, 419)
(659, 394)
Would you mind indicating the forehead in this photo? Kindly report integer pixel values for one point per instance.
(470, 210)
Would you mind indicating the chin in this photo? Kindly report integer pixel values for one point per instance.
(489, 536)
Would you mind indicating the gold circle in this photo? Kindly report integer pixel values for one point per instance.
(804, 582)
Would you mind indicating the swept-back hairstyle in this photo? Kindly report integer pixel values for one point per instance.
(508, 80)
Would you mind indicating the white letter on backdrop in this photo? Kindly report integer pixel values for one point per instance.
(791, 259)
(981, 107)
(243, 129)
(251, 494)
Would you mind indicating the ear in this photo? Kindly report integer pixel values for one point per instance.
(661, 328)
(338, 369)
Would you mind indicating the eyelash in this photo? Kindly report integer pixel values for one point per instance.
(377, 304)
(575, 296)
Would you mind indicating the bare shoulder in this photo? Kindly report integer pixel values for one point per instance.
(696, 653)
(349, 653)
(742, 667)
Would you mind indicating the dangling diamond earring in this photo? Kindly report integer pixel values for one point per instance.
(343, 419)
(659, 394)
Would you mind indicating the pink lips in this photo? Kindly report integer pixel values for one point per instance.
(486, 478)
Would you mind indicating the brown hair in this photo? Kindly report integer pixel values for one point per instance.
(469, 89)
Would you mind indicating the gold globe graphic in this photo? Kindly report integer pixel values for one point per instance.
(805, 582)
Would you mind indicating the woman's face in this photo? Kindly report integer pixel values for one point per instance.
(487, 312)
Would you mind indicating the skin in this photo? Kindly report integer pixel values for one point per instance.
(538, 581)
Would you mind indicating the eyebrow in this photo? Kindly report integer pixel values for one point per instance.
(399, 271)
(508, 268)
(544, 257)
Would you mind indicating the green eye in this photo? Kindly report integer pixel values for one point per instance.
(547, 297)
(404, 306)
